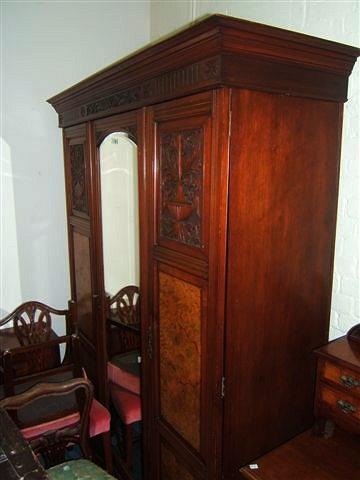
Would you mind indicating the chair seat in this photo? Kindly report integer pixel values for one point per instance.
(79, 469)
(99, 422)
(99, 419)
(124, 371)
(127, 404)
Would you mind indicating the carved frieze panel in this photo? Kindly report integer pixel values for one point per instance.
(78, 179)
(181, 186)
(181, 80)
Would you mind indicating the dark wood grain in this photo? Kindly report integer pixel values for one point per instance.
(282, 213)
(342, 352)
(308, 457)
(171, 468)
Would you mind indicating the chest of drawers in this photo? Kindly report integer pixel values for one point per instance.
(338, 385)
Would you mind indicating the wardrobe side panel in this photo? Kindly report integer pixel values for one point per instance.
(284, 165)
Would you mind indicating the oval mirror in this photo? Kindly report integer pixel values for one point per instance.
(120, 212)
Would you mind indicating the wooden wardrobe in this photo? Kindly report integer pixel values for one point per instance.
(238, 128)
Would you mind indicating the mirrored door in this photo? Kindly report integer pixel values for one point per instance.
(120, 227)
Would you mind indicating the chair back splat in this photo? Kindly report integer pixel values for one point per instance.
(37, 354)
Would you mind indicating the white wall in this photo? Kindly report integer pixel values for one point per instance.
(333, 20)
(45, 48)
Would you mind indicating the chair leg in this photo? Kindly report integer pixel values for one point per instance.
(106, 440)
(128, 445)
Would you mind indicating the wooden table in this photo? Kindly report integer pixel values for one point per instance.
(308, 457)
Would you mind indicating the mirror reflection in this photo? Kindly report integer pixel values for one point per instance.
(120, 215)
(120, 227)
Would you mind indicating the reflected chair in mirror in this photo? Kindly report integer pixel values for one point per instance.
(54, 437)
(123, 366)
(27, 364)
(124, 320)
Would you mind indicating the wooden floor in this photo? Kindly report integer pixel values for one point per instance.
(308, 457)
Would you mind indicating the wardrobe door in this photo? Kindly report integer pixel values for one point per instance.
(81, 249)
(187, 320)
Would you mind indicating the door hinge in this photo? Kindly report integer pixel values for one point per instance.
(150, 343)
(222, 387)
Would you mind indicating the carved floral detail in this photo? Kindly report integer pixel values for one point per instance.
(78, 181)
(181, 169)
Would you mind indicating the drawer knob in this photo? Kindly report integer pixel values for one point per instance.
(346, 407)
(349, 382)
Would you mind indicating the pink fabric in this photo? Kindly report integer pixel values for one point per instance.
(57, 424)
(123, 379)
(127, 404)
(99, 419)
(99, 422)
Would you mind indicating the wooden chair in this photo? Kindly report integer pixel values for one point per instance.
(28, 364)
(53, 435)
(123, 368)
(36, 352)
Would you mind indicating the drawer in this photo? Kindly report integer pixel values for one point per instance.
(342, 405)
(344, 377)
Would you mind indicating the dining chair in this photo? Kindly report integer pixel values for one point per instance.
(27, 364)
(123, 366)
(54, 435)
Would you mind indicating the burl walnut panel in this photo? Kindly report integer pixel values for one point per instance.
(181, 180)
(180, 356)
(171, 469)
(82, 271)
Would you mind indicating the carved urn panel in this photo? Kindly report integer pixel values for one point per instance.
(181, 186)
(183, 151)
